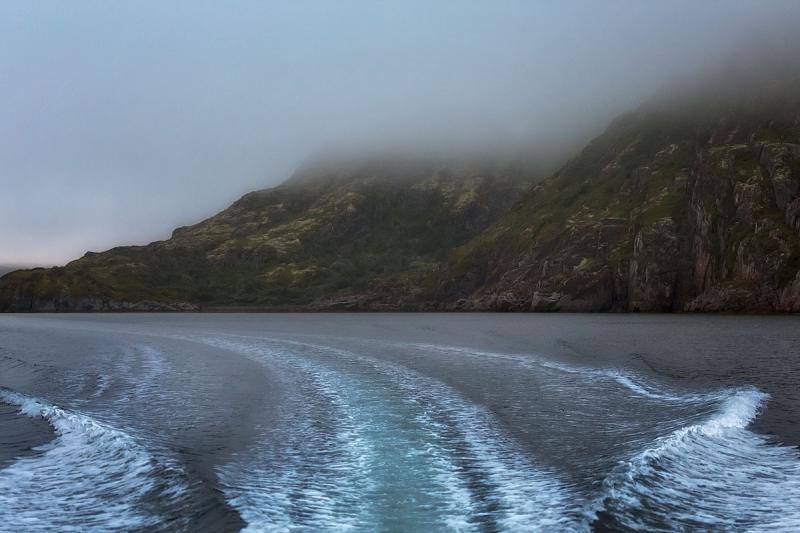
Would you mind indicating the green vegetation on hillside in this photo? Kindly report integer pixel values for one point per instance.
(690, 203)
(370, 226)
(680, 207)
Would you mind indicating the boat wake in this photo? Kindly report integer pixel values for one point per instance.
(710, 473)
(408, 453)
(364, 438)
(634, 384)
(715, 475)
(91, 476)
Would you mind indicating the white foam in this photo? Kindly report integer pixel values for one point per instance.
(92, 476)
(715, 474)
(514, 493)
(528, 495)
(301, 476)
(712, 475)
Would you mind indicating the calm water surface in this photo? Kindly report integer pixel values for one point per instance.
(385, 422)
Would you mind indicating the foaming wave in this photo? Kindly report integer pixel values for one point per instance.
(712, 475)
(481, 475)
(91, 476)
(308, 473)
(506, 486)
(715, 474)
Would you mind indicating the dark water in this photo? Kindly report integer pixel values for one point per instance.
(399, 423)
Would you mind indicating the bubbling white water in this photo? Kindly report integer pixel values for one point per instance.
(476, 475)
(714, 475)
(367, 442)
(91, 476)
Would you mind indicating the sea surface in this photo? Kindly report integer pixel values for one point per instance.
(399, 422)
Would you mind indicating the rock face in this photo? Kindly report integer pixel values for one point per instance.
(687, 208)
(339, 235)
(689, 204)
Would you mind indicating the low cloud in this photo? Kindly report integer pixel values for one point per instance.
(119, 121)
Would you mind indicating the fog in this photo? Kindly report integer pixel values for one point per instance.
(122, 120)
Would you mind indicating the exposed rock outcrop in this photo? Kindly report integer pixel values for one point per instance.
(687, 209)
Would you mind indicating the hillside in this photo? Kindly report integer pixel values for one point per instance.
(337, 235)
(688, 204)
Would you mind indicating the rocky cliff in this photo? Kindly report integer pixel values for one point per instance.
(691, 205)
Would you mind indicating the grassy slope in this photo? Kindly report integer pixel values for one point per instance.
(329, 230)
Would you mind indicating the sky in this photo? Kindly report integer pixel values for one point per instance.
(122, 120)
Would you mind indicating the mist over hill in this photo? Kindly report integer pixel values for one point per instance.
(115, 132)
(690, 202)
(378, 225)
